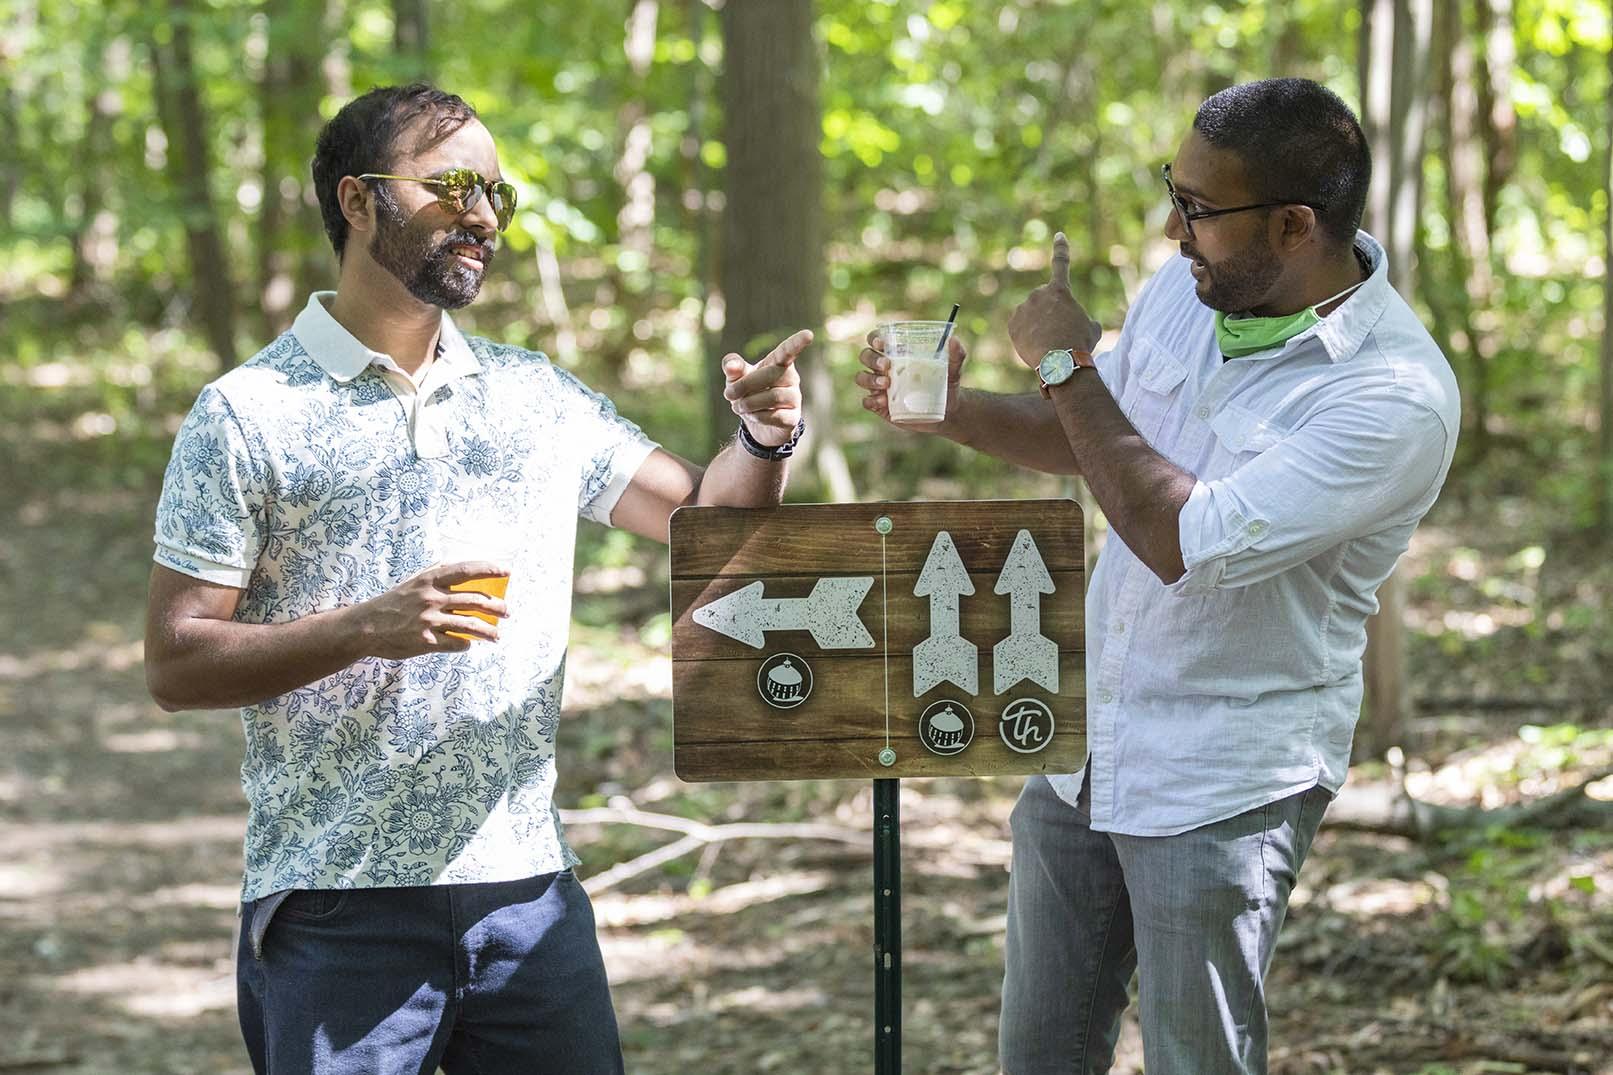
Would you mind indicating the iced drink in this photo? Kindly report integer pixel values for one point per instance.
(918, 371)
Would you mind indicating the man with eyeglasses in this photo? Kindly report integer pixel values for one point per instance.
(1263, 438)
(408, 898)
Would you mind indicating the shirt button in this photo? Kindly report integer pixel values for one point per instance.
(1105, 697)
(1257, 528)
(1120, 628)
(1203, 412)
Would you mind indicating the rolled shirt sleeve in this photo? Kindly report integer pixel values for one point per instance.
(1346, 472)
(210, 515)
(612, 449)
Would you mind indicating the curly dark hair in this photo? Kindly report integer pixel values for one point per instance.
(1298, 143)
(363, 137)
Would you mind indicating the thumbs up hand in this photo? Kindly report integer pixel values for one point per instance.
(1051, 318)
(767, 394)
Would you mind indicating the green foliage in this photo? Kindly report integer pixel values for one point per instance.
(957, 137)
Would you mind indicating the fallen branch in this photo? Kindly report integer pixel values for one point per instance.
(697, 834)
(1486, 704)
(1390, 810)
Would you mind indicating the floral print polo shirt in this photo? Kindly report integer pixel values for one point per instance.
(318, 475)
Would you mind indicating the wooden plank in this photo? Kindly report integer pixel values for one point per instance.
(729, 723)
(847, 701)
(822, 539)
(858, 759)
(980, 619)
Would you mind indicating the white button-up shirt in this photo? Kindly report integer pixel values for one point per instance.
(319, 475)
(1240, 684)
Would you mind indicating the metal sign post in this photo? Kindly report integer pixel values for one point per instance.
(887, 927)
(882, 641)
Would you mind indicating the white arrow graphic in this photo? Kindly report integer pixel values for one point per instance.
(829, 612)
(945, 655)
(1026, 653)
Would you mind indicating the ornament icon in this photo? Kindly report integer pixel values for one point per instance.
(946, 727)
(784, 681)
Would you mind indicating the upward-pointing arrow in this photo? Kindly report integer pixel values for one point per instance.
(945, 655)
(1026, 653)
(829, 612)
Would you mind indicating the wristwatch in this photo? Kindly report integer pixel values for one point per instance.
(1058, 366)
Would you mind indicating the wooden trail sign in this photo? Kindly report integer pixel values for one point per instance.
(878, 640)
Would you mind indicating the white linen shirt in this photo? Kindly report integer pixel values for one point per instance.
(1240, 684)
(318, 475)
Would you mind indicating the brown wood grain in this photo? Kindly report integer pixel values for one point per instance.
(858, 759)
(724, 730)
(839, 539)
(982, 617)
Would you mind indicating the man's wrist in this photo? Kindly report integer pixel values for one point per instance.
(770, 452)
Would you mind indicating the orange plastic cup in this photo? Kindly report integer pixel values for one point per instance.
(492, 586)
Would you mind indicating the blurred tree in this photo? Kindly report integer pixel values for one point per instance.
(635, 223)
(412, 37)
(185, 122)
(1604, 484)
(1394, 70)
(772, 256)
(288, 233)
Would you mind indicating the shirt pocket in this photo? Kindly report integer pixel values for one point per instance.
(1243, 434)
(1156, 380)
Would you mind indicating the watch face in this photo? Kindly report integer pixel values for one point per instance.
(1056, 367)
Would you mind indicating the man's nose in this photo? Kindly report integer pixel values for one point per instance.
(480, 217)
(1175, 229)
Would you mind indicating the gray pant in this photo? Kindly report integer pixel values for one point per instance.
(1197, 915)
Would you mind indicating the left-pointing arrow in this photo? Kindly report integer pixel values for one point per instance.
(829, 612)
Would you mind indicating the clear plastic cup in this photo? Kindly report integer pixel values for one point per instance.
(918, 370)
(480, 543)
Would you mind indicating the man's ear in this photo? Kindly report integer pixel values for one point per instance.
(357, 202)
(1298, 226)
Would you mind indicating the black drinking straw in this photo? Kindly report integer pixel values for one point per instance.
(947, 332)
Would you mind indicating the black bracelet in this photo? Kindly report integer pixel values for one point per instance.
(762, 451)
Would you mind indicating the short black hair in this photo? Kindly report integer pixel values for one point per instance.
(1298, 143)
(363, 137)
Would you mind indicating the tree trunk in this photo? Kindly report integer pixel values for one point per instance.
(95, 247)
(1395, 106)
(697, 216)
(1604, 483)
(772, 239)
(635, 222)
(289, 101)
(185, 123)
(1474, 286)
(411, 36)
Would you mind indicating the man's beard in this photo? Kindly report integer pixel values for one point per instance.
(1238, 282)
(430, 272)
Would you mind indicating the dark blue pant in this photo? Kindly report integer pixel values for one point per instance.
(489, 978)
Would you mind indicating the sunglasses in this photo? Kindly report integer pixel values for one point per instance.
(1188, 209)
(462, 189)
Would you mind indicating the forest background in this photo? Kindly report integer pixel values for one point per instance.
(697, 177)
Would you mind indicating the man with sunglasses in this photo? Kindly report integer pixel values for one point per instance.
(408, 899)
(1263, 438)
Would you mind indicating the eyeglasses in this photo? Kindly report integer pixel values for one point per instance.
(462, 189)
(1189, 212)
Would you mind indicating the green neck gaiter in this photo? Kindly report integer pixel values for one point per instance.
(1239, 336)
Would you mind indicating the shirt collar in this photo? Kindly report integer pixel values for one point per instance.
(340, 354)
(1342, 332)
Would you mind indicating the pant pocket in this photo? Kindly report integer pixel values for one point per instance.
(262, 913)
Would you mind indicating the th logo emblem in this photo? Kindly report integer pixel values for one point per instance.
(1027, 726)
